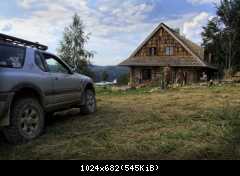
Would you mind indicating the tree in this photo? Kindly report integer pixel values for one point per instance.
(227, 12)
(123, 79)
(72, 47)
(105, 76)
(221, 35)
(212, 38)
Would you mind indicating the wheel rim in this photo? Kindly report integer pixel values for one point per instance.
(29, 121)
(91, 102)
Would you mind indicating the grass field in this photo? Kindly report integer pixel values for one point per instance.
(186, 123)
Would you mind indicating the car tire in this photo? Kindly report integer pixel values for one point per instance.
(49, 115)
(90, 105)
(27, 121)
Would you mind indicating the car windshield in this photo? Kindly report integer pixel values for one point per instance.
(11, 56)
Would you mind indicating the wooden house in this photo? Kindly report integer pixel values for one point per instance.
(166, 47)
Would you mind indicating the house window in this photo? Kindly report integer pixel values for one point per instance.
(153, 51)
(146, 74)
(169, 51)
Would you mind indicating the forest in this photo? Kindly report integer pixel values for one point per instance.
(221, 38)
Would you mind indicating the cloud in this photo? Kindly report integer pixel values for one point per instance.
(25, 3)
(6, 28)
(125, 12)
(109, 18)
(42, 26)
(192, 29)
(197, 2)
(108, 22)
(28, 4)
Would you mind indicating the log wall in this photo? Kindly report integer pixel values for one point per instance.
(136, 77)
(161, 40)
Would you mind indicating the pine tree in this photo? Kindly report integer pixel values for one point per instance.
(221, 36)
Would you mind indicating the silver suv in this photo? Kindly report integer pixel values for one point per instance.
(35, 83)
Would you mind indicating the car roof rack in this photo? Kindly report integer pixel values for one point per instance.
(21, 42)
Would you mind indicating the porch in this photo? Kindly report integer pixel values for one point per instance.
(141, 75)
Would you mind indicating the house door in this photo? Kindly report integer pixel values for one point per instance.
(147, 74)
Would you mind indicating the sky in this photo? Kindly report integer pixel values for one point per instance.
(115, 27)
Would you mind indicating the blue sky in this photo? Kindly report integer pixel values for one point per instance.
(116, 26)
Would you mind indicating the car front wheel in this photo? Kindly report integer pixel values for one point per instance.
(27, 121)
(90, 105)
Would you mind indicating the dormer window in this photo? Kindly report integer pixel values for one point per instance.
(169, 51)
(152, 51)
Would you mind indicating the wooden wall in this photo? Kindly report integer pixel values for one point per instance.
(193, 75)
(161, 40)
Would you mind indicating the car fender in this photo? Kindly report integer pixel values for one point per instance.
(27, 85)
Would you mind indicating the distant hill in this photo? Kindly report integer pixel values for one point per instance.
(114, 72)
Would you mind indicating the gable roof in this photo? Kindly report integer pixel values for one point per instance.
(195, 50)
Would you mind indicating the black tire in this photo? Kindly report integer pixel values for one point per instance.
(27, 121)
(90, 105)
(49, 115)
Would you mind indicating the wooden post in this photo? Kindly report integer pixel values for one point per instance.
(132, 77)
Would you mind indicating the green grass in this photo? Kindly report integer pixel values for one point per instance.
(183, 123)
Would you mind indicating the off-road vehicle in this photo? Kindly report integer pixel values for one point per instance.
(35, 83)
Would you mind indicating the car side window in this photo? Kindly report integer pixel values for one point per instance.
(39, 62)
(54, 66)
(12, 56)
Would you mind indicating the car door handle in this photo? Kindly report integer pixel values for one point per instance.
(56, 79)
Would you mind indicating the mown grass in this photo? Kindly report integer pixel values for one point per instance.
(185, 123)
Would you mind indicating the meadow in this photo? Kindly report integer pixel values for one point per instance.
(183, 123)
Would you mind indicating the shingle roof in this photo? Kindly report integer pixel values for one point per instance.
(198, 50)
(161, 61)
(195, 61)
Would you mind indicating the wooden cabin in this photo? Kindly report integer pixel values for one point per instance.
(166, 47)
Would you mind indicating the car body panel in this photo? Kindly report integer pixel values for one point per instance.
(5, 104)
(55, 89)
